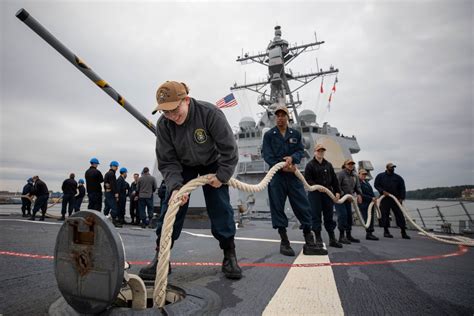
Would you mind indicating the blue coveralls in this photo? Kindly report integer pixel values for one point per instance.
(286, 184)
(367, 195)
(219, 209)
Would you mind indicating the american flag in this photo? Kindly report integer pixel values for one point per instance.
(227, 101)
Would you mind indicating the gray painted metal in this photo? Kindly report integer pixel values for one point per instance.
(89, 262)
(39, 29)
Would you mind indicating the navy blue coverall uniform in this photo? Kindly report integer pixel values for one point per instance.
(395, 185)
(25, 202)
(203, 144)
(322, 174)
(40, 190)
(69, 188)
(285, 184)
(122, 188)
(134, 203)
(367, 196)
(94, 179)
(110, 188)
(79, 198)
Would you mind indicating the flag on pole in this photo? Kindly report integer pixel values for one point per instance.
(227, 101)
(329, 102)
(334, 86)
(321, 89)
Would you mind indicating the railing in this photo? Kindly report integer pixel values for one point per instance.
(450, 219)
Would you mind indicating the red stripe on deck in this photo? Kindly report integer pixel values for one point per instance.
(461, 250)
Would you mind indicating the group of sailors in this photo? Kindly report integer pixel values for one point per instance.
(282, 143)
(114, 196)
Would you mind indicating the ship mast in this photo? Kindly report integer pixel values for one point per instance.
(278, 55)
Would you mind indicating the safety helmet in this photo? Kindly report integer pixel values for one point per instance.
(114, 163)
(81, 181)
(123, 170)
(94, 161)
(29, 180)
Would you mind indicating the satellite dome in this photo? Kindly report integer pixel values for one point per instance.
(307, 116)
(247, 122)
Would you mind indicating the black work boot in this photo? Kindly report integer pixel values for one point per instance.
(404, 234)
(149, 272)
(116, 222)
(332, 240)
(352, 239)
(310, 248)
(370, 236)
(230, 267)
(285, 248)
(386, 233)
(318, 238)
(343, 239)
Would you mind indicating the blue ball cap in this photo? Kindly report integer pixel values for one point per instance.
(29, 180)
(114, 163)
(123, 170)
(95, 161)
(81, 181)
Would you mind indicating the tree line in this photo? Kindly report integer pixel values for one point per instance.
(438, 193)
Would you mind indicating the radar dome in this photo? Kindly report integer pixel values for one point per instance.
(247, 122)
(307, 116)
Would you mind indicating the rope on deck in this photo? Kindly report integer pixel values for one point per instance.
(161, 280)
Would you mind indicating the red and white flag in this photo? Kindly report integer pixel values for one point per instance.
(227, 101)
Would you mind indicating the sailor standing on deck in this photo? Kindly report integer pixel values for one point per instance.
(320, 171)
(69, 188)
(349, 183)
(26, 202)
(194, 138)
(111, 193)
(81, 192)
(40, 190)
(386, 183)
(134, 213)
(368, 196)
(94, 179)
(282, 143)
(122, 188)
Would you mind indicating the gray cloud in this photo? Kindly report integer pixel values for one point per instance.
(405, 86)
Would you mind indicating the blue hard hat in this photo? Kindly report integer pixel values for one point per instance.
(29, 180)
(81, 181)
(94, 160)
(114, 163)
(123, 170)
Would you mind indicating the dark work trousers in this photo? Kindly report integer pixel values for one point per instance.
(134, 214)
(68, 201)
(344, 216)
(321, 205)
(218, 206)
(110, 205)
(77, 205)
(95, 201)
(286, 184)
(145, 203)
(364, 209)
(25, 206)
(386, 205)
(41, 203)
(121, 207)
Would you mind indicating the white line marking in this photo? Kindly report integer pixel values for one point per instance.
(28, 221)
(310, 291)
(243, 238)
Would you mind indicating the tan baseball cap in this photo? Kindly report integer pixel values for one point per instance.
(282, 108)
(319, 147)
(349, 161)
(390, 165)
(169, 94)
(363, 171)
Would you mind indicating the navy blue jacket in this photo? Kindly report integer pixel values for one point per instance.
(391, 183)
(93, 180)
(82, 192)
(322, 174)
(110, 182)
(69, 186)
(40, 188)
(27, 188)
(367, 192)
(122, 187)
(275, 146)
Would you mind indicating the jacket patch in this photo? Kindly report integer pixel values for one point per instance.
(200, 136)
(293, 140)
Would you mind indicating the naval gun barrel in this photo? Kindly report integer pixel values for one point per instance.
(33, 24)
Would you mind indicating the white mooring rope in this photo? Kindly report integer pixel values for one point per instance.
(161, 280)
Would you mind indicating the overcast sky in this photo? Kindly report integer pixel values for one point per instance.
(405, 84)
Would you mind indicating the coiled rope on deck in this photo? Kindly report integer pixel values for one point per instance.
(161, 280)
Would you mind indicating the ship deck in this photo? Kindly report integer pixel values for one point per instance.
(391, 276)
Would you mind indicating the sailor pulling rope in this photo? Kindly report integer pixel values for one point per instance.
(161, 280)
